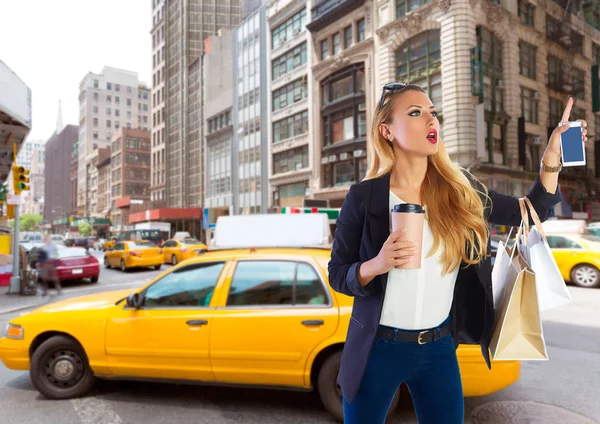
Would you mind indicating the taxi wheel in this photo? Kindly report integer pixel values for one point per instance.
(94, 279)
(60, 369)
(123, 267)
(173, 260)
(585, 275)
(331, 393)
(157, 267)
(106, 265)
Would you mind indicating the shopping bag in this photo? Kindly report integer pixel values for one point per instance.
(502, 272)
(518, 333)
(552, 290)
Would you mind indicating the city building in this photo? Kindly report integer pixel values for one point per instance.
(108, 101)
(250, 163)
(218, 129)
(57, 181)
(292, 146)
(130, 173)
(104, 184)
(158, 182)
(34, 203)
(73, 181)
(178, 150)
(25, 155)
(528, 56)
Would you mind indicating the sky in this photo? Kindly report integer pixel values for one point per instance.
(52, 45)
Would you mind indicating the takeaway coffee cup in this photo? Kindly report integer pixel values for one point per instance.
(410, 216)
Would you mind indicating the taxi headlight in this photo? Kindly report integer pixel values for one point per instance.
(14, 331)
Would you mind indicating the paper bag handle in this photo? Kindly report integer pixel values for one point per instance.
(536, 218)
(524, 216)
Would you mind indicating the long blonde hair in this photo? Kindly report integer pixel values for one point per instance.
(454, 208)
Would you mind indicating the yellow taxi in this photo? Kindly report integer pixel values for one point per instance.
(175, 251)
(109, 244)
(134, 254)
(577, 257)
(246, 317)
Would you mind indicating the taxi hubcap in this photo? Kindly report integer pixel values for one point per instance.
(64, 368)
(586, 276)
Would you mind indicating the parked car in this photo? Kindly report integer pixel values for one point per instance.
(75, 263)
(246, 317)
(577, 257)
(78, 242)
(175, 251)
(134, 254)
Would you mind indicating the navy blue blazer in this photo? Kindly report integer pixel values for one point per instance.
(363, 227)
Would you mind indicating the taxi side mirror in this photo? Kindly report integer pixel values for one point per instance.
(134, 301)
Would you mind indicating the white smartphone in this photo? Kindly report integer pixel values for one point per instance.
(571, 145)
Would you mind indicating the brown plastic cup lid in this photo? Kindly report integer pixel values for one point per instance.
(408, 208)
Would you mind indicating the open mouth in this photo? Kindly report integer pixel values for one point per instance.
(432, 136)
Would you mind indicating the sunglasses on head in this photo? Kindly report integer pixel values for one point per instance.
(392, 86)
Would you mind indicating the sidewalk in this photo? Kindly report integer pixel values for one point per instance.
(15, 302)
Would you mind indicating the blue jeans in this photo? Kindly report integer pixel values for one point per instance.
(430, 371)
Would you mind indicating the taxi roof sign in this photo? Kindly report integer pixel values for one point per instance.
(272, 230)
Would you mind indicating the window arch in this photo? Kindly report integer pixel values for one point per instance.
(418, 61)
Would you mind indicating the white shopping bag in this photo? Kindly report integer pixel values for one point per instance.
(551, 288)
(502, 272)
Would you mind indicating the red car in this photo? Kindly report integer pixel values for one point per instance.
(76, 263)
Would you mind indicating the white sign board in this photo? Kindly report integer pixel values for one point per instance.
(13, 199)
(15, 96)
(272, 230)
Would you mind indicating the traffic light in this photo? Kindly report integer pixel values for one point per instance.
(20, 178)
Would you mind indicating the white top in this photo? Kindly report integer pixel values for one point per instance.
(417, 299)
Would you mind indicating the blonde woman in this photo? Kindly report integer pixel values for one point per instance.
(406, 324)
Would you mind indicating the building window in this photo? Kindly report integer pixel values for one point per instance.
(596, 53)
(287, 30)
(577, 113)
(579, 83)
(95, 109)
(404, 7)
(344, 88)
(290, 160)
(95, 83)
(552, 27)
(109, 99)
(117, 87)
(533, 156)
(290, 94)
(290, 195)
(108, 123)
(324, 49)
(529, 105)
(292, 126)
(108, 111)
(129, 102)
(555, 112)
(360, 30)
(418, 61)
(555, 73)
(117, 112)
(95, 135)
(109, 86)
(347, 36)
(95, 97)
(337, 43)
(527, 13)
(527, 64)
(289, 61)
(95, 122)
(576, 42)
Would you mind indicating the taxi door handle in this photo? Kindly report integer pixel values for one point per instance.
(197, 322)
(312, 322)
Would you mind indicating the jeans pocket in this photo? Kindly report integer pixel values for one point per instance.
(380, 341)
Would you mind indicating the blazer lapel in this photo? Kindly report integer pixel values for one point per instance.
(379, 216)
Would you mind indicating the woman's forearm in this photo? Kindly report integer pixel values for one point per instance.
(550, 179)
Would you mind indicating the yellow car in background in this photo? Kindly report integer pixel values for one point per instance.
(175, 251)
(109, 244)
(245, 317)
(134, 254)
(577, 257)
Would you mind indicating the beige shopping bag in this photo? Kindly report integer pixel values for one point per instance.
(518, 333)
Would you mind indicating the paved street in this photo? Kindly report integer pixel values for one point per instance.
(568, 380)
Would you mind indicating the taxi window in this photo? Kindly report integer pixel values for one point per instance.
(119, 246)
(558, 242)
(192, 285)
(257, 283)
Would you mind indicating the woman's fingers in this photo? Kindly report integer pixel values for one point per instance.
(400, 262)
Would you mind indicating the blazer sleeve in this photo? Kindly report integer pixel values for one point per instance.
(505, 210)
(345, 259)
